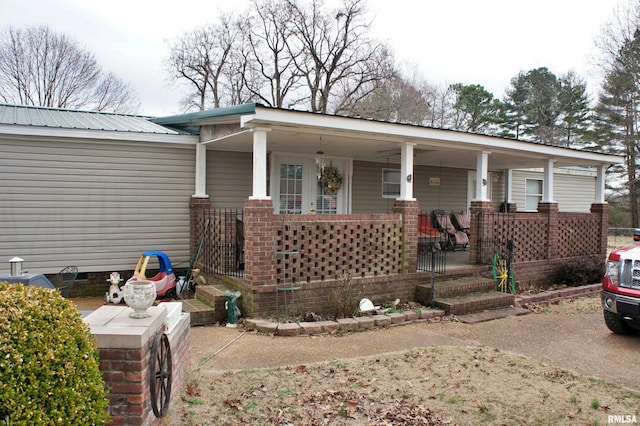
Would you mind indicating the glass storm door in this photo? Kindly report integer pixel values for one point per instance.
(290, 183)
(300, 190)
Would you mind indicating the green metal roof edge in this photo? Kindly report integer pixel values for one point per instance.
(184, 119)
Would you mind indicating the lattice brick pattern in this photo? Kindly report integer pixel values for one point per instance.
(324, 249)
(531, 236)
(578, 234)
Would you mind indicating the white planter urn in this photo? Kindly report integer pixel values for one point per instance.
(139, 295)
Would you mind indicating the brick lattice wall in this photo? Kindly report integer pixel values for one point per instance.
(327, 246)
(578, 234)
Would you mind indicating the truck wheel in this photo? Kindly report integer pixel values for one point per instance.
(617, 324)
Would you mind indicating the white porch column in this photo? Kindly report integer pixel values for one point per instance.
(482, 175)
(547, 185)
(600, 185)
(406, 172)
(260, 164)
(508, 183)
(201, 171)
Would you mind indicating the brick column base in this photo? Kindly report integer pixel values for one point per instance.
(409, 211)
(476, 209)
(602, 210)
(199, 208)
(551, 211)
(259, 265)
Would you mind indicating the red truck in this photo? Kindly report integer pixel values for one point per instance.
(621, 289)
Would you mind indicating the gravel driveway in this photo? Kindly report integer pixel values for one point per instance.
(570, 335)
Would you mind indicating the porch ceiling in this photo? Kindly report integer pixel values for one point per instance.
(306, 133)
(426, 152)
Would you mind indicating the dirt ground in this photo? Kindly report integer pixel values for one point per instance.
(442, 373)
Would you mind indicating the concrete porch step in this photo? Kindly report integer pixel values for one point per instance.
(453, 287)
(492, 314)
(475, 302)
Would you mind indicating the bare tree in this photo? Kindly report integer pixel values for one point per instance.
(440, 99)
(336, 51)
(40, 67)
(618, 107)
(270, 74)
(401, 98)
(201, 57)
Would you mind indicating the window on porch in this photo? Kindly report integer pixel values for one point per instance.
(533, 194)
(390, 183)
(290, 189)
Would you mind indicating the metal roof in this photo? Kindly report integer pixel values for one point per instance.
(199, 116)
(73, 119)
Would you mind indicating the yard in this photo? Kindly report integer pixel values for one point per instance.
(454, 374)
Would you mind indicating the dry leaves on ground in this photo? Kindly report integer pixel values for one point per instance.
(427, 386)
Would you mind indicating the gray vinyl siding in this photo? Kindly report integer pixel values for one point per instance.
(450, 195)
(572, 192)
(97, 205)
(229, 178)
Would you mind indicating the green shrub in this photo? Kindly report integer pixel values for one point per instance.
(49, 372)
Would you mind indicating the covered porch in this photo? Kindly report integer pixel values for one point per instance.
(293, 242)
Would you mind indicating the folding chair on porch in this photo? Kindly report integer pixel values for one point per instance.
(453, 238)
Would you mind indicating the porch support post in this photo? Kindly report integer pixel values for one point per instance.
(508, 182)
(259, 164)
(547, 185)
(508, 205)
(406, 172)
(201, 171)
(409, 211)
(482, 175)
(600, 185)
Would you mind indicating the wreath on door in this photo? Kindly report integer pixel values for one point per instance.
(331, 180)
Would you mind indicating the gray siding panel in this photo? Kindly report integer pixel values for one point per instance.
(572, 192)
(97, 205)
(229, 178)
(449, 195)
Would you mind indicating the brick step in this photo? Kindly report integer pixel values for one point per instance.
(201, 313)
(208, 305)
(453, 287)
(475, 302)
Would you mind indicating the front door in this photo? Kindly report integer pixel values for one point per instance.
(300, 187)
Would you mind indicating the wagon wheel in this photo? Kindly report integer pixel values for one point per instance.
(506, 283)
(160, 380)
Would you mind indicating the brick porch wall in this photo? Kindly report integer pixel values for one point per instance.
(298, 259)
(317, 296)
(546, 240)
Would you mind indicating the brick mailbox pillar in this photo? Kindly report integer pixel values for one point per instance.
(125, 346)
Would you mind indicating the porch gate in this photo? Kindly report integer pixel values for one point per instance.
(430, 259)
(496, 246)
(222, 249)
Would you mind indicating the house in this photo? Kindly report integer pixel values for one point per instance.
(96, 189)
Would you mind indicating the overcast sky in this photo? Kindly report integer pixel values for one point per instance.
(483, 42)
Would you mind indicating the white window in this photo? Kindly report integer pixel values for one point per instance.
(390, 183)
(533, 194)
